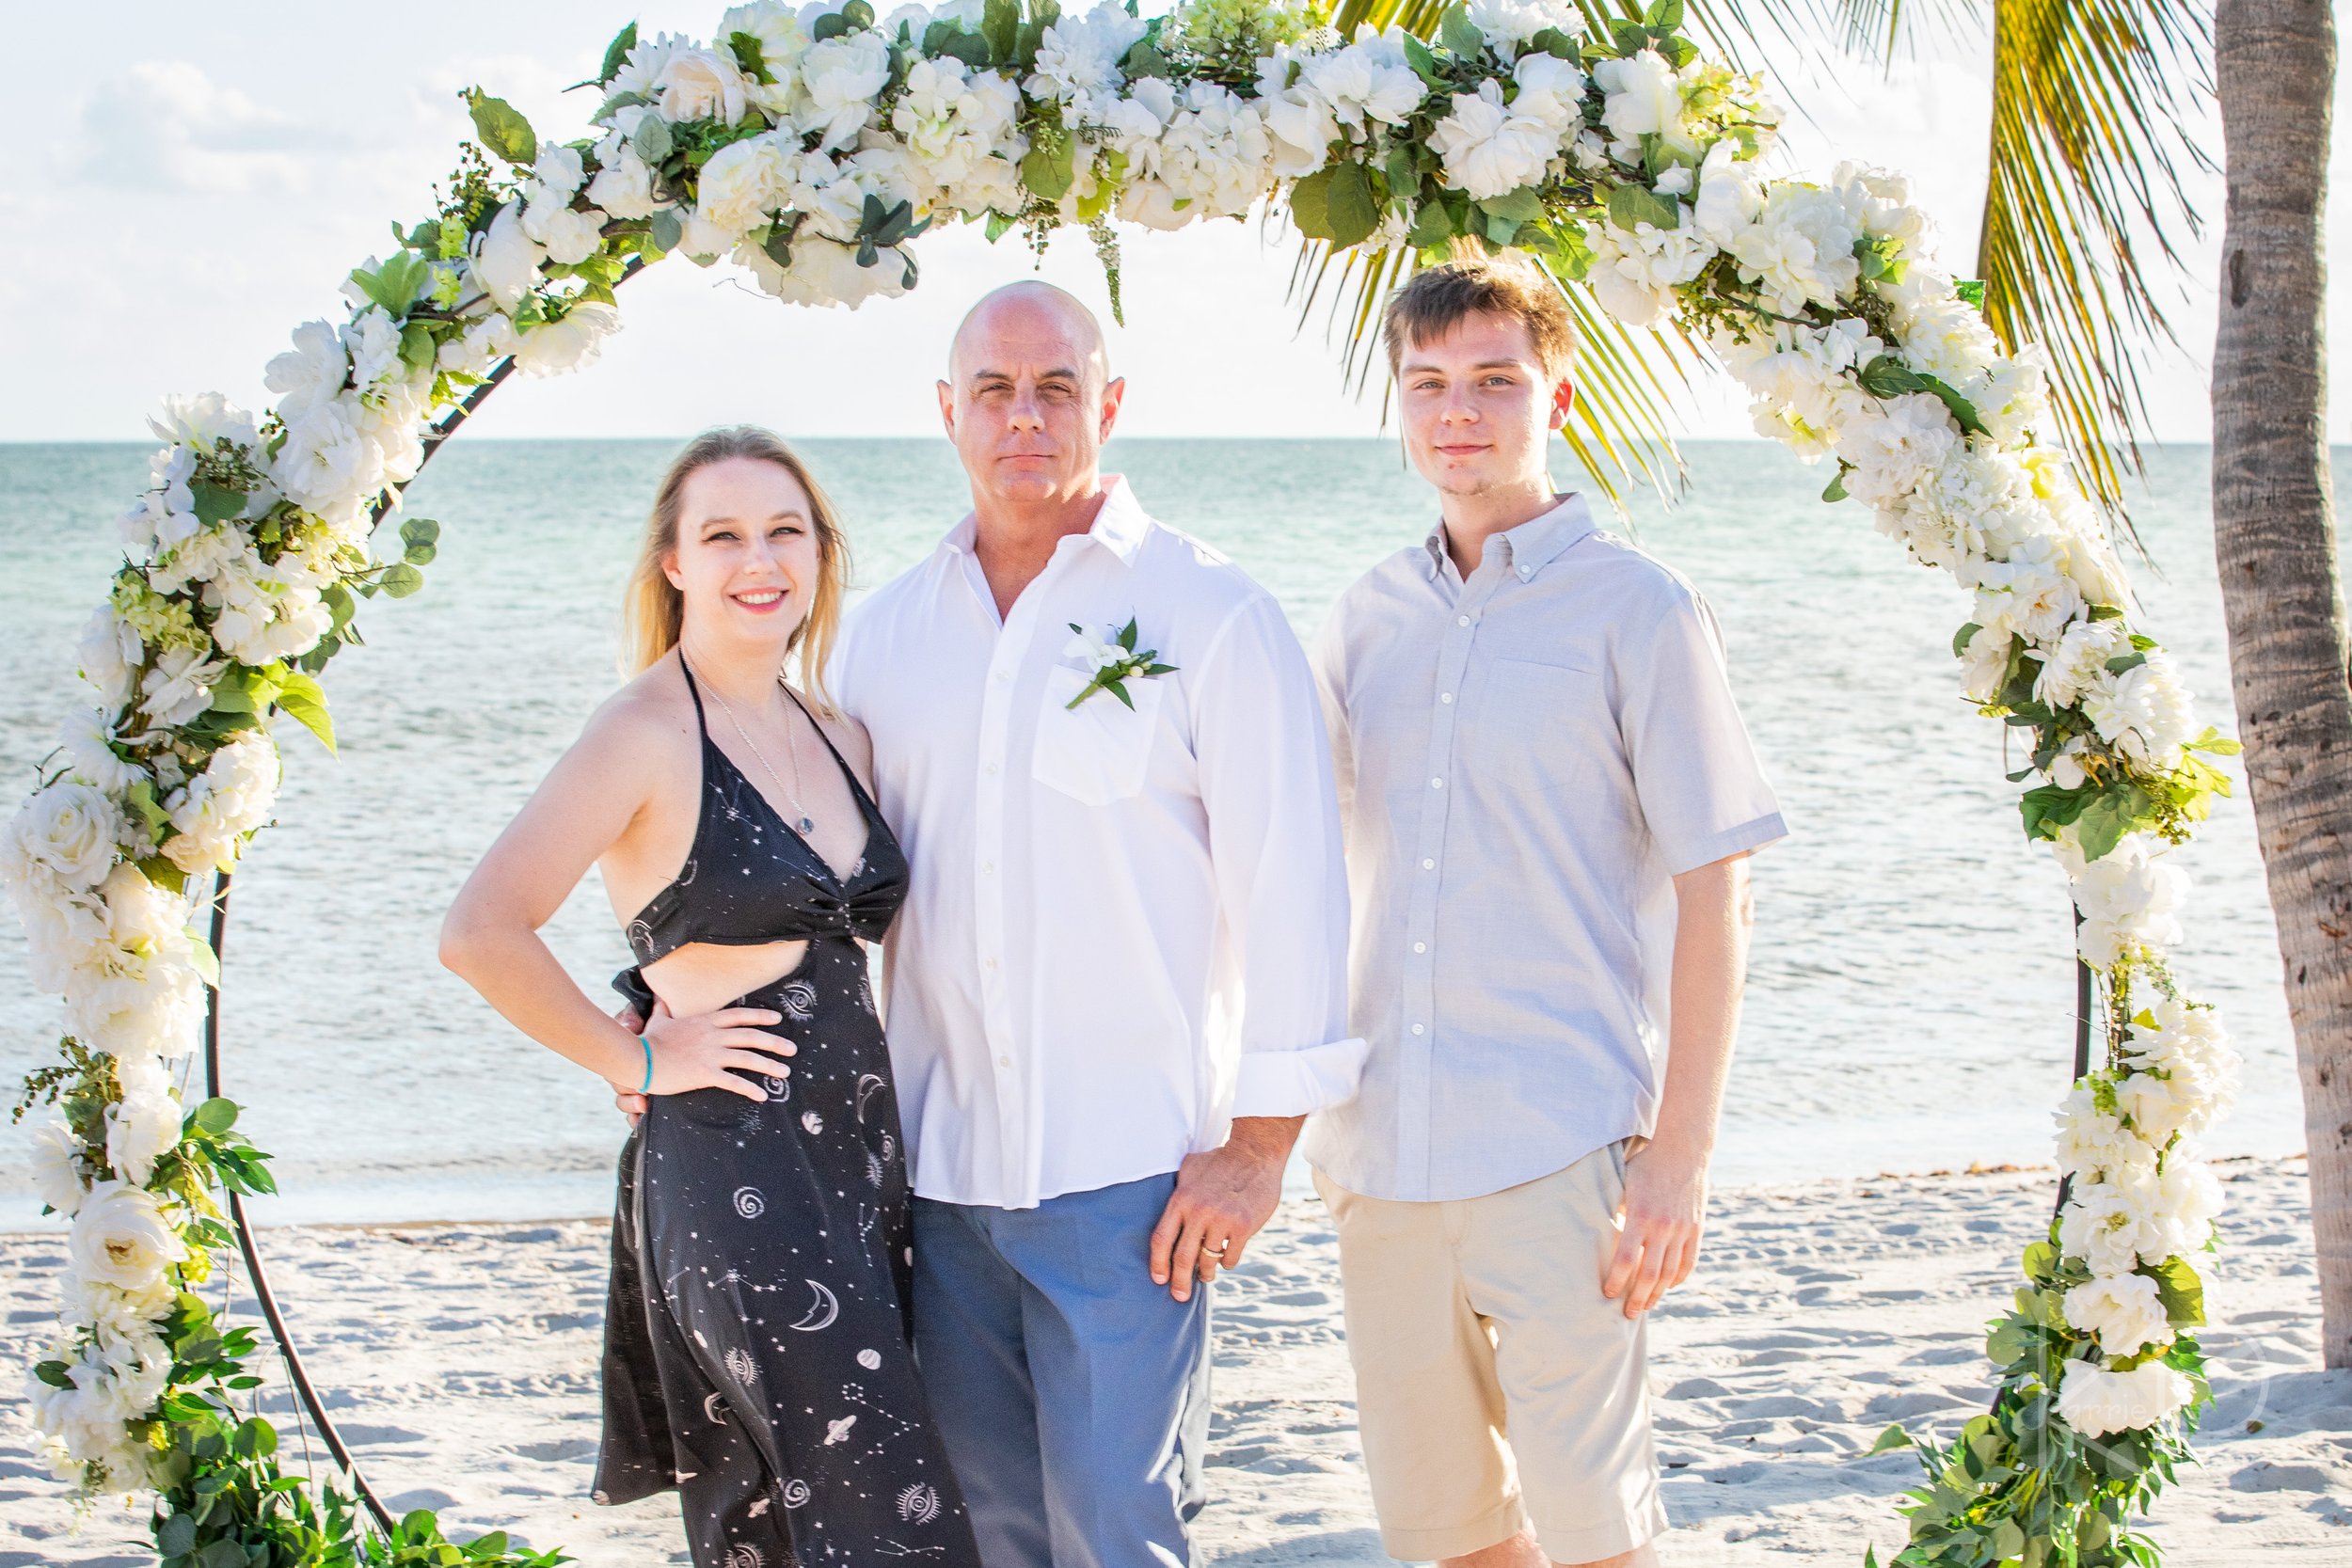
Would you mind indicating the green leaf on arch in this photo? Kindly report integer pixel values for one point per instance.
(616, 54)
(305, 700)
(502, 128)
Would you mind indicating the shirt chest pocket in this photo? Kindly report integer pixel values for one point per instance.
(1543, 727)
(1100, 750)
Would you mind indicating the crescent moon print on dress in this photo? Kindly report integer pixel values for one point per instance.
(755, 1254)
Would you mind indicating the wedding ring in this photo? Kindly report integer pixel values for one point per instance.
(1218, 1250)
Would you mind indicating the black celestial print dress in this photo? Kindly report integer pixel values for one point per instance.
(758, 1349)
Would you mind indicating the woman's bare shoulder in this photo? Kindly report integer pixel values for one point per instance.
(850, 739)
(649, 720)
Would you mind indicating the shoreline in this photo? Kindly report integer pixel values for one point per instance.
(461, 1359)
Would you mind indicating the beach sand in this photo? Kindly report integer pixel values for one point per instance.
(462, 1361)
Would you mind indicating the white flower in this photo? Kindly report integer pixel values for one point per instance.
(140, 1129)
(2112, 1224)
(624, 186)
(1099, 653)
(178, 687)
(748, 181)
(506, 261)
(824, 272)
(1512, 21)
(699, 84)
(1301, 122)
(214, 811)
(1983, 660)
(328, 465)
(2028, 594)
(557, 175)
(783, 39)
(1634, 275)
(1800, 247)
(841, 77)
(204, 419)
(486, 341)
(60, 1176)
(310, 372)
(1895, 443)
(2125, 1311)
(1488, 150)
(2090, 1141)
(122, 1238)
(1369, 80)
(641, 72)
(2147, 714)
(372, 338)
(1077, 60)
(1552, 91)
(2130, 901)
(1642, 96)
(570, 343)
(68, 832)
(108, 656)
(569, 234)
(2185, 1043)
(1730, 193)
(2096, 1402)
(2079, 660)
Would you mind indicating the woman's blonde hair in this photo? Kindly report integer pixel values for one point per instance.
(654, 610)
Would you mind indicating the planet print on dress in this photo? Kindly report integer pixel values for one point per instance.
(812, 1123)
(838, 1432)
(869, 1359)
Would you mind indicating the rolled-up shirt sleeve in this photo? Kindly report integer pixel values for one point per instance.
(1274, 845)
(1701, 784)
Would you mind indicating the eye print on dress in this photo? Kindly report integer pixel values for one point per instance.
(919, 1504)
(800, 1000)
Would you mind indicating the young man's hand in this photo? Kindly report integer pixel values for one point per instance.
(1663, 1211)
(1222, 1199)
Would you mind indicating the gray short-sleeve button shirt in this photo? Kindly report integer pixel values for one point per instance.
(1525, 761)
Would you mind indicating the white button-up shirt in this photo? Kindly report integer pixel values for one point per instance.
(1126, 925)
(1526, 760)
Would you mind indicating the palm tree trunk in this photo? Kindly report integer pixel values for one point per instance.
(2273, 533)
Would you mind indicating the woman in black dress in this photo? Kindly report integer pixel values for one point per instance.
(759, 1353)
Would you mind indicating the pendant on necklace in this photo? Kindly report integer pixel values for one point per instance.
(807, 827)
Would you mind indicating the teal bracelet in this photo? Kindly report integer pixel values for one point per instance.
(648, 1045)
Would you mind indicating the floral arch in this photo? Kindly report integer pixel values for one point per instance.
(813, 147)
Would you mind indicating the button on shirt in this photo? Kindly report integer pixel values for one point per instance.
(1525, 761)
(1126, 925)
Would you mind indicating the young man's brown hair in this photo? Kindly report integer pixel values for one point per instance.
(1436, 299)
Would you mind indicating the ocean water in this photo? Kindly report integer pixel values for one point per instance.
(1911, 997)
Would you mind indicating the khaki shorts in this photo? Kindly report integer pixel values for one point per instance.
(1494, 1386)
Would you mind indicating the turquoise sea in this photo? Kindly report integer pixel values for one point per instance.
(1910, 999)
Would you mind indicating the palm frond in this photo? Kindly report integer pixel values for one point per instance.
(2087, 199)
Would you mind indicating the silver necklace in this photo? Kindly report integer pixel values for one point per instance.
(806, 825)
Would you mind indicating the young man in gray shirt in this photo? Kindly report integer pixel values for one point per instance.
(1547, 797)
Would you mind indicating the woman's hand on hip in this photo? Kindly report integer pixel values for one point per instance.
(714, 1051)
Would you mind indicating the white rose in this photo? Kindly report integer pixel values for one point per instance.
(506, 261)
(1800, 247)
(569, 344)
(1730, 193)
(2125, 1311)
(2096, 1402)
(2185, 1043)
(2112, 1224)
(141, 1132)
(156, 1013)
(746, 181)
(558, 173)
(120, 1237)
(702, 240)
(68, 832)
(310, 372)
(841, 76)
(1552, 91)
(2091, 1142)
(2130, 901)
(2028, 594)
(700, 83)
(214, 812)
(62, 933)
(1303, 128)
(61, 1178)
(90, 746)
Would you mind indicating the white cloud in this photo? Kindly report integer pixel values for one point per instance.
(166, 127)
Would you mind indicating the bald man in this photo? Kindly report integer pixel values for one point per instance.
(1119, 983)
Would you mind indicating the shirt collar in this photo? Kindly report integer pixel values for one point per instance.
(1119, 526)
(1534, 544)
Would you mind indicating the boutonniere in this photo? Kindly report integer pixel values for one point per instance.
(1116, 663)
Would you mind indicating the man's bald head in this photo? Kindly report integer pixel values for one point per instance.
(1029, 400)
(1018, 320)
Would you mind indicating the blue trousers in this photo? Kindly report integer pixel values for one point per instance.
(1070, 1392)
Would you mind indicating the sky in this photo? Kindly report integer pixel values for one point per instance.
(188, 191)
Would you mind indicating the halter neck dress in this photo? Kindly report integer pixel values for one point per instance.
(758, 1349)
